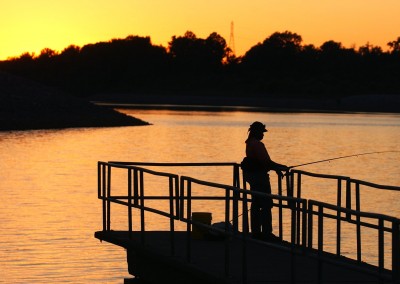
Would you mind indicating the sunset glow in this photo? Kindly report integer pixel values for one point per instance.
(30, 26)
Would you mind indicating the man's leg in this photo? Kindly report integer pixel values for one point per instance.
(266, 223)
(255, 220)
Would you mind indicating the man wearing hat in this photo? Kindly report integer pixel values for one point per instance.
(256, 167)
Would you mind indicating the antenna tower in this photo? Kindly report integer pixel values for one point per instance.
(232, 40)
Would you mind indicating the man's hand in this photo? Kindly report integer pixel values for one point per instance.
(282, 168)
(280, 174)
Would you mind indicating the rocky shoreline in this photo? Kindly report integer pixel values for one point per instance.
(27, 105)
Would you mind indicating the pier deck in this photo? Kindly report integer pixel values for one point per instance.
(152, 260)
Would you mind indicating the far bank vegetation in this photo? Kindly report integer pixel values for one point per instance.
(281, 64)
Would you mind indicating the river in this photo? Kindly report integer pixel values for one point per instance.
(49, 207)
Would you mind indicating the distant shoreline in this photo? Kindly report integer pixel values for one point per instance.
(351, 104)
(218, 108)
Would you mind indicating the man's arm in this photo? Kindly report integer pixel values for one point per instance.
(276, 166)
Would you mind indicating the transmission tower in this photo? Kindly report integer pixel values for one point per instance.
(232, 40)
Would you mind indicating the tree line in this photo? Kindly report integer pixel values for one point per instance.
(281, 64)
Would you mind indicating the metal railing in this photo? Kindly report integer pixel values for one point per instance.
(302, 229)
(235, 198)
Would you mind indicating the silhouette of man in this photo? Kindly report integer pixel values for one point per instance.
(256, 167)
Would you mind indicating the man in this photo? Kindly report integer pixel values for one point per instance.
(256, 167)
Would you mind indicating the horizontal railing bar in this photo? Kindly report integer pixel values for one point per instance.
(379, 186)
(237, 189)
(114, 200)
(122, 166)
(208, 183)
(173, 198)
(155, 197)
(174, 164)
(142, 207)
(149, 209)
(199, 198)
(362, 223)
(206, 198)
(320, 175)
(354, 212)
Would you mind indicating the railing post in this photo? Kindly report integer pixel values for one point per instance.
(339, 193)
(227, 202)
(304, 221)
(338, 219)
(227, 206)
(289, 184)
(135, 187)
(381, 250)
(236, 175)
(177, 198)
(291, 204)
(245, 225)
(320, 241)
(293, 230)
(280, 210)
(107, 197)
(235, 211)
(189, 220)
(358, 204)
(141, 196)
(358, 223)
(348, 198)
(235, 205)
(130, 202)
(103, 196)
(235, 194)
(298, 185)
(396, 251)
(298, 222)
(171, 214)
(310, 224)
(99, 180)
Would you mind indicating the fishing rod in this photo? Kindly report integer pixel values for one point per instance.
(328, 160)
(341, 157)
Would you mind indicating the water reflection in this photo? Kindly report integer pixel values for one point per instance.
(50, 208)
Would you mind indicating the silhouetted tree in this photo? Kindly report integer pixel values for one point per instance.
(275, 53)
(217, 48)
(197, 62)
(370, 50)
(71, 51)
(191, 52)
(331, 48)
(394, 45)
(25, 57)
(46, 54)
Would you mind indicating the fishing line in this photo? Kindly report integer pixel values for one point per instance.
(341, 157)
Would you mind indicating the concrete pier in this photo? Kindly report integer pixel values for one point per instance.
(150, 258)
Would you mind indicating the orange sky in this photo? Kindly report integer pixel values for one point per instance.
(30, 26)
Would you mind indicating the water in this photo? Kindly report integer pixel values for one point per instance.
(49, 207)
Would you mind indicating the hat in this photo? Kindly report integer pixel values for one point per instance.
(257, 126)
